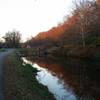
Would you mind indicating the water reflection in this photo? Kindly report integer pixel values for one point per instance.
(54, 84)
(66, 80)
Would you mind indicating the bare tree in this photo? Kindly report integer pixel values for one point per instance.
(12, 39)
(84, 9)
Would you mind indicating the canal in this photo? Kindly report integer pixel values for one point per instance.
(71, 79)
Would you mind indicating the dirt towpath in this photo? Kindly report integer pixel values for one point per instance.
(3, 55)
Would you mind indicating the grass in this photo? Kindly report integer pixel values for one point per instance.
(20, 81)
(27, 51)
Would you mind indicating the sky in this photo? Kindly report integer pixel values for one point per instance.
(30, 17)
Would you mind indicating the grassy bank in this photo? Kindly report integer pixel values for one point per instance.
(20, 82)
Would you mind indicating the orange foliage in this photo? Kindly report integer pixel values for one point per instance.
(55, 32)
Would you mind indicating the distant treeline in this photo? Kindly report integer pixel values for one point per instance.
(81, 28)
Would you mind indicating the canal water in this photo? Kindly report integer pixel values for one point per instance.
(66, 81)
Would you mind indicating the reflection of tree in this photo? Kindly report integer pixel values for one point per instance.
(76, 74)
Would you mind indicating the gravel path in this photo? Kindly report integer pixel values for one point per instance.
(3, 56)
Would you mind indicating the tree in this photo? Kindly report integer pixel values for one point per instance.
(98, 2)
(12, 39)
(85, 9)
